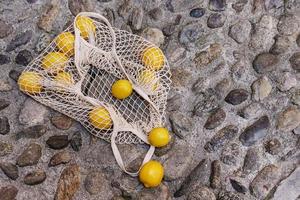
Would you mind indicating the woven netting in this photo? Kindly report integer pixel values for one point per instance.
(77, 85)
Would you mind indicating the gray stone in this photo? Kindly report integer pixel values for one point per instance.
(34, 178)
(206, 101)
(5, 148)
(125, 9)
(110, 15)
(30, 156)
(32, 132)
(154, 35)
(223, 87)
(201, 192)
(62, 122)
(62, 157)
(49, 15)
(281, 44)
(76, 141)
(169, 29)
(161, 192)
(295, 61)
(156, 13)
(240, 31)
(24, 57)
(197, 12)
(4, 125)
(215, 176)
(198, 176)
(4, 103)
(239, 5)
(191, 33)
(94, 182)
(290, 184)
(288, 24)
(252, 111)
(43, 41)
(181, 124)
(216, 20)
(217, 5)
(19, 40)
(238, 186)
(289, 119)
(269, 4)
(227, 195)
(261, 88)
(203, 58)
(273, 146)
(4, 59)
(58, 141)
(237, 96)
(33, 113)
(230, 154)
(252, 160)
(5, 29)
(222, 137)
(265, 62)
(264, 181)
(296, 97)
(255, 132)
(286, 81)
(5, 86)
(136, 18)
(215, 119)
(10, 170)
(14, 74)
(8, 192)
(77, 6)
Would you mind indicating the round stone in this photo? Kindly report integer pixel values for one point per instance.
(35, 177)
(197, 12)
(94, 182)
(265, 62)
(216, 20)
(295, 61)
(288, 24)
(24, 57)
(154, 35)
(4, 59)
(58, 141)
(237, 96)
(30, 156)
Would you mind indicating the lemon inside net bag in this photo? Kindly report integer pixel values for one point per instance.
(75, 73)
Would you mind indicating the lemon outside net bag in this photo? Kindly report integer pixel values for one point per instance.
(75, 73)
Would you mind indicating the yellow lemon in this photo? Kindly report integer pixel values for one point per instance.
(100, 118)
(64, 78)
(159, 137)
(121, 89)
(55, 61)
(65, 43)
(30, 82)
(151, 174)
(85, 26)
(153, 58)
(147, 78)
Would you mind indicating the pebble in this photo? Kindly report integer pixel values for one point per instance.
(239, 5)
(252, 111)
(93, 182)
(216, 20)
(206, 101)
(295, 61)
(289, 119)
(215, 119)
(227, 195)
(5, 148)
(281, 44)
(30, 156)
(68, 183)
(5, 86)
(230, 153)
(206, 57)
(19, 40)
(181, 124)
(237, 186)
(14, 74)
(49, 15)
(62, 122)
(4, 103)
(43, 41)
(156, 14)
(240, 31)
(36, 177)
(198, 176)
(58, 141)
(180, 77)
(197, 12)
(296, 97)
(288, 25)
(237, 96)
(161, 192)
(125, 9)
(261, 88)
(32, 132)
(255, 132)
(136, 18)
(265, 62)
(201, 192)
(4, 125)
(24, 57)
(217, 5)
(252, 160)
(5, 29)
(4, 59)
(191, 33)
(10, 170)
(286, 81)
(273, 146)
(154, 35)
(215, 176)
(33, 113)
(76, 141)
(77, 6)
(264, 181)
(223, 87)
(9, 192)
(222, 137)
(62, 157)
(169, 29)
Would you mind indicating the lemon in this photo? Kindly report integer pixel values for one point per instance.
(147, 78)
(30, 82)
(121, 89)
(151, 173)
(85, 26)
(64, 78)
(55, 61)
(153, 58)
(65, 43)
(159, 137)
(100, 118)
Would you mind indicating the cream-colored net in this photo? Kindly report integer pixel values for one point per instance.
(76, 80)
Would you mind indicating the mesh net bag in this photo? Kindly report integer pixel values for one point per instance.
(75, 73)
